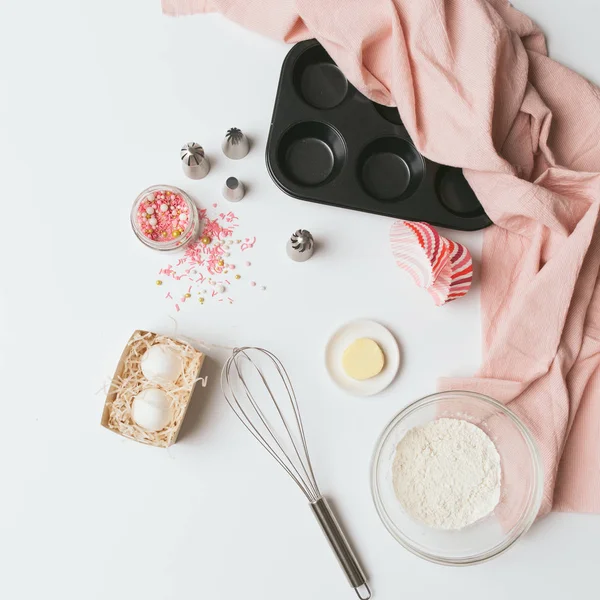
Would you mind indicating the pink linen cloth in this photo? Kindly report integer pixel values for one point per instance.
(476, 89)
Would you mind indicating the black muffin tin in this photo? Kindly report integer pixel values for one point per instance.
(330, 144)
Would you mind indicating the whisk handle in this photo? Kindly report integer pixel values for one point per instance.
(348, 561)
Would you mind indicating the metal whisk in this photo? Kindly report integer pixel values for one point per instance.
(266, 404)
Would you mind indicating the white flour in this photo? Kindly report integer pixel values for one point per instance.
(447, 474)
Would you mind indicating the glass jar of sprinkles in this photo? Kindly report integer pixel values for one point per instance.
(164, 218)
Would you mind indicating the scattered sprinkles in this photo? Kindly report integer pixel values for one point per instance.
(204, 262)
(248, 243)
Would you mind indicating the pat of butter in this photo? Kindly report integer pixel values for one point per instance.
(363, 359)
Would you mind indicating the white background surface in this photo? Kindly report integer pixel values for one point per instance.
(97, 98)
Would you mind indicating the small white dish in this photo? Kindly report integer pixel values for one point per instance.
(343, 337)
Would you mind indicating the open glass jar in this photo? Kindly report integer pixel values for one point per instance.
(165, 218)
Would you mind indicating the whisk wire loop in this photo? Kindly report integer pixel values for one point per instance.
(298, 466)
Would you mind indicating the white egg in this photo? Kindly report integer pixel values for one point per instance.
(151, 409)
(161, 364)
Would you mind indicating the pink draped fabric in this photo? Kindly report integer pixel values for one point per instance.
(476, 89)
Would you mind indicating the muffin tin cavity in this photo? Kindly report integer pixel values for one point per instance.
(329, 144)
(390, 169)
(311, 153)
(318, 80)
(456, 194)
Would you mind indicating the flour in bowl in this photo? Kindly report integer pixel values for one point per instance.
(447, 474)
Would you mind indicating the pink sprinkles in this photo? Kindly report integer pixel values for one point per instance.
(162, 215)
(206, 260)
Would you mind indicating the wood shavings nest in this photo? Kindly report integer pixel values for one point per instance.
(129, 381)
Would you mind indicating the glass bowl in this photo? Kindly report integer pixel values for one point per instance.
(521, 485)
(184, 236)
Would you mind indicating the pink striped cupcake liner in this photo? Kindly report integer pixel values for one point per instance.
(441, 266)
